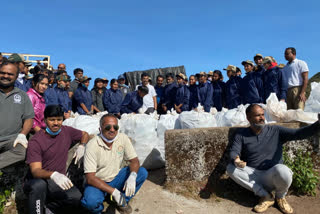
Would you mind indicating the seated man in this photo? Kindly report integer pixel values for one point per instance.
(134, 100)
(47, 154)
(256, 155)
(102, 160)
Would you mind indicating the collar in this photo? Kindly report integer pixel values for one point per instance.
(103, 144)
(14, 91)
(36, 93)
(293, 61)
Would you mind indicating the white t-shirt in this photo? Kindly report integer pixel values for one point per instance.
(293, 71)
(148, 99)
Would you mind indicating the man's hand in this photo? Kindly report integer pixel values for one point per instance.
(79, 153)
(89, 113)
(21, 139)
(239, 163)
(302, 97)
(61, 180)
(119, 198)
(164, 107)
(130, 185)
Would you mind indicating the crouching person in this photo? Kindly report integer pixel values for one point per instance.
(47, 184)
(102, 160)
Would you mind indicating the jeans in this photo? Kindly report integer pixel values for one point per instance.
(9, 154)
(93, 197)
(261, 182)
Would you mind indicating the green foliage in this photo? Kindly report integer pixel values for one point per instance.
(305, 178)
(5, 193)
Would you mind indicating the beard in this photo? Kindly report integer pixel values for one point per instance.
(6, 85)
(259, 125)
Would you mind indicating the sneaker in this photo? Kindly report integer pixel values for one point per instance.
(125, 210)
(264, 204)
(284, 205)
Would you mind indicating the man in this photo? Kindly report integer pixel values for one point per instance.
(183, 95)
(150, 100)
(169, 93)
(83, 97)
(1, 58)
(22, 82)
(205, 92)
(78, 73)
(296, 72)
(209, 79)
(63, 98)
(102, 161)
(194, 93)
(134, 100)
(238, 73)
(16, 113)
(159, 91)
(105, 82)
(273, 80)
(256, 158)
(258, 59)
(233, 88)
(61, 67)
(47, 156)
(122, 85)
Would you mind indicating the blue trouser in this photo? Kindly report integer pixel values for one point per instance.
(93, 197)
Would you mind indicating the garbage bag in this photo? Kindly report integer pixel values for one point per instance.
(236, 116)
(193, 119)
(313, 102)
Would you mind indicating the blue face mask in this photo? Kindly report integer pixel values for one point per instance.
(52, 133)
(83, 85)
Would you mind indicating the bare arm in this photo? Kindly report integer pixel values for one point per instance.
(96, 109)
(83, 106)
(96, 182)
(27, 125)
(84, 138)
(38, 172)
(155, 102)
(70, 93)
(302, 95)
(134, 165)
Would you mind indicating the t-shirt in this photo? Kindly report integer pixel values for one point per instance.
(52, 152)
(106, 162)
(148, 98)
(293, 71)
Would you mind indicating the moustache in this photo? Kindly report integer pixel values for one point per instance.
(3, 78)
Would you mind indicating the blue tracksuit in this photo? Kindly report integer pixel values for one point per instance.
(131, 103)
(112, 100)
(27, 84)
(260, 69)
(63, 99)
(169, 95)
(219, 91)
(183, 97)
(205, 95)
(252, 88)
(83, 95)
(274, 82)
(51, 97)
(159, 91)
(233, 92)
(194, 96)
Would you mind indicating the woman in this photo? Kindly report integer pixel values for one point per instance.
(36, 94)
(83, 97)
(97, 94)
(218, 90)
(112, 98)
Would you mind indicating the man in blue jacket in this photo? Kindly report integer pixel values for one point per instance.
(183, 95)
(83, 97)
(134, 100)
(194, 93)
(233, 88)
(63, 96)
(22, 82)
(169, 93)
(205, 92)
(258, 59)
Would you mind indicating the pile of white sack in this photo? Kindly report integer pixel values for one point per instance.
(147, 131)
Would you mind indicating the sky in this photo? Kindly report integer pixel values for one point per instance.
(107, 38)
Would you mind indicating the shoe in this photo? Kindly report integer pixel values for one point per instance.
(264, 204)
(125, 210)
(284, 205)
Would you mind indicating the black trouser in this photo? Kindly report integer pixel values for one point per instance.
(42, 192)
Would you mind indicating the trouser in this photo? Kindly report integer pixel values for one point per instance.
(278, 178)
(93, 197)
(293, 98)
(9, 154)
(149, 110)
(45, 192)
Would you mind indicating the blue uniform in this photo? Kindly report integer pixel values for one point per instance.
(159, 91)
(219, 91)
(169, 95)
(112, 100)
(63, 99)
(205, 95)
(233, 92)
(274, 82)
(260, 69)
(131, 103)
(25, 86)
(183, 97)
(83, 95)
(51, 97)
(252, 88)
(194, 96)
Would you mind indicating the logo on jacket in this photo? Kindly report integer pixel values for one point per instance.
(17, 99)
(120, 150)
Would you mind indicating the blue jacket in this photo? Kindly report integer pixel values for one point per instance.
(183, 97)
(194, 96)
(131, 103)
(51, 97)
(219, 91)
(27, 84)
(112, 100)
(205, 95)
(169, 95)
(260, 69)
(275, 82)
(63, 99)
(159, 91)
(233, 92)
(83, 95)
(252, 88)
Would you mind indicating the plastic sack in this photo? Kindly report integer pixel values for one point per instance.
(313, 102)
(220, 118)
(236, 116)
(166, 122)
(192, 119)
(276, 109)
(301, 116)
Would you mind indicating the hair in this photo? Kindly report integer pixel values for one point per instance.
(113, 81)
(105, 116)
(238, 69)
(293, 50)
(53, 111)
(160, 76)
(219, 73)
(75, 71)
(38, 78)
(61, 72)
(192, 76)
(251, 107)
(144, 75)
(170, 75)
(9, 63)
(143, 89)
(37, 69)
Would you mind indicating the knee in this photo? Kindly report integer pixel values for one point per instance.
(35, 185)
(142, 174)
(90, 202)
(283, 173)
(74, 196)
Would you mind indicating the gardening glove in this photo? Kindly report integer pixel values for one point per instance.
(239, 163)
(61, 180)
(79, 154)
(22, 139)
(130, 185)
(90, 113)
(119, 197)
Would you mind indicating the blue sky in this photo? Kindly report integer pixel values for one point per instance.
(107, 37)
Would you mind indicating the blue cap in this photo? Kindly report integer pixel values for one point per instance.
(121, 77)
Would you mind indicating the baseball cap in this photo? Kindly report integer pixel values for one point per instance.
(62, 78)
(105, 80)
(181, 75)
(210, 73)
(84, 78)
(202, 73)
(28, 64)
(121, 76)
(258, 55)
(16, 58)
(231, 68)
(267, 59)
(247, 62)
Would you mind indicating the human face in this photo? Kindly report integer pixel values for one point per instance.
(258, 60)
(105, 84)
(79, 75)
(61, 67)
(121, 81)
(54, 123)
(42, 86)
(169, 80)
(288, 55)
(21, 67)
(192, 80)
(145, 80)
(99, 85)
(1, 59)
(215, 77)
(266, 65)
(112, 133)
(256, 117)
(159, 81)
(8, 75)
(248, 68)
(180, 80)
(203, 78)
(86, 83)
(141, 94)
(115, 85)
(67, 85)
(62, 84)
(238, 73)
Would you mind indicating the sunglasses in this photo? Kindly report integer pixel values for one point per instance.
(108, 127)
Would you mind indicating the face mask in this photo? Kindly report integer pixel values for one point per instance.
(210, 79)
(108, 141)
(52, 133)
(21, 76)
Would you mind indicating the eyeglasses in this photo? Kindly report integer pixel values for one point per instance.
(108, 127)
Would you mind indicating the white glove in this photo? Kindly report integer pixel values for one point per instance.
(22, 139)
(130, 185)
(61, 180)
(119, 198)
(79, 153)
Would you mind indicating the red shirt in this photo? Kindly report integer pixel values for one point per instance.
(52, 152)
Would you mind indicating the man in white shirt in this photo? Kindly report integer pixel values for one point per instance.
(296, 72)
(150, 100)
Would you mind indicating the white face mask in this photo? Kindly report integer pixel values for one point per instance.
(210, 78)
(105, 139)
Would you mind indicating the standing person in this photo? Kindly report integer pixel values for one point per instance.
(209, 79)
(169, 93)
(194, 93)
(16, 113)
(205, 92)
(273, 80)
(233, 88)
(159, 91)
(36, 95)
(22, 82)
(219, 90)
(112, 98)
(102, 167)
(150, 100)
(134, 100)
(122, 86)
(256, 158)
(50, 95)
(105, 82)
(62, 67)
(182, 96)
(83, 97)
(47, 156)
(239, 73)
(251, 85)
(97, 94)
(78, 73)
(258, 59)
(63, 96)
(296, 72)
